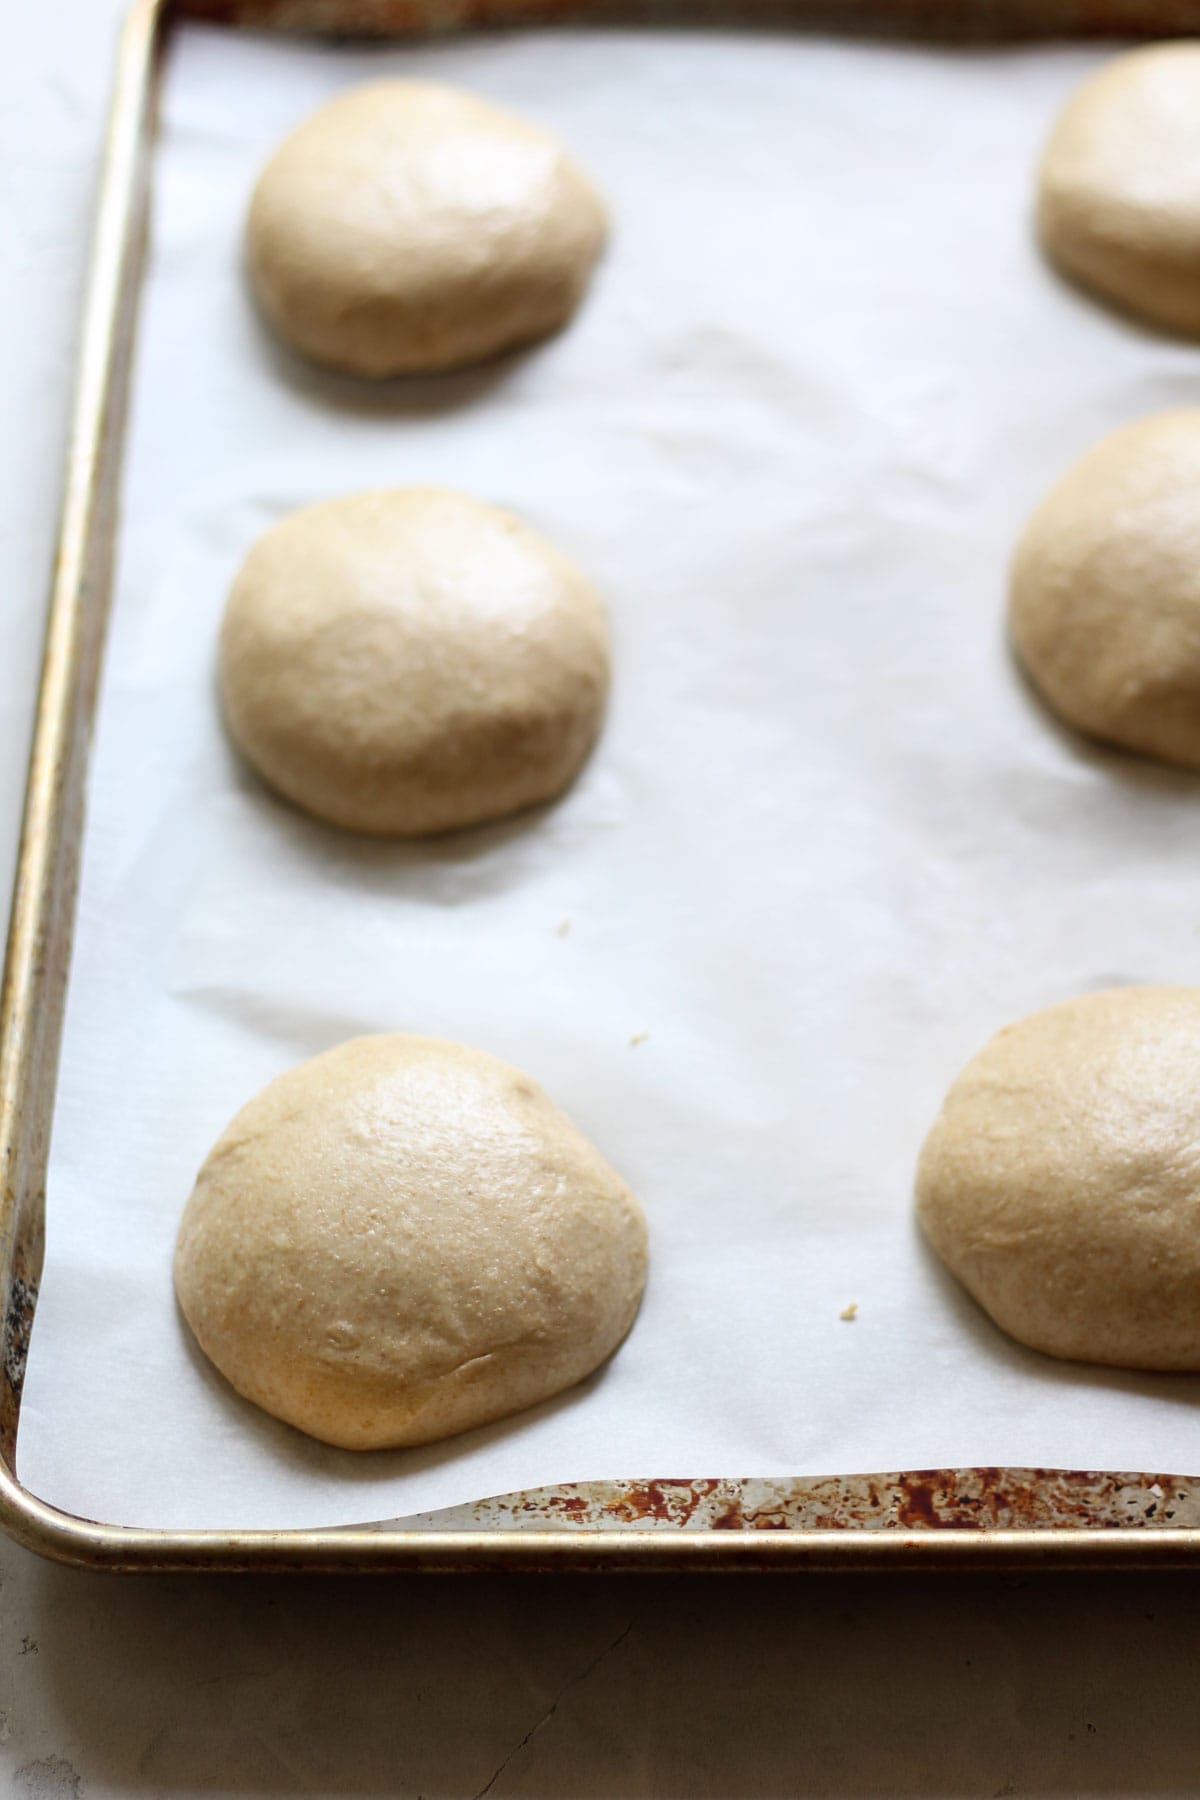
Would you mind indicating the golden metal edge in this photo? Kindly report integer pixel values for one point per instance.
(30, 1028)
(43, 903)
(359, 1550)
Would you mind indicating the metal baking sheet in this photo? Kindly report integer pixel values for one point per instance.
(795, 463)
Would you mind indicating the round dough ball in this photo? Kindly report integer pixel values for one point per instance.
(1061, 1181)
(1104, 602)
(402, 1239)
(406, 227)
(412, 661)
(1119, 191)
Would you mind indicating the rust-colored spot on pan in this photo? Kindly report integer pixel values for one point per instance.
(916, 1501)
(987, 20)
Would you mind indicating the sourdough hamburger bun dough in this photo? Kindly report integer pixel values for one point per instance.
(402, 1239)
(1104, 602)
(406, 226)
(1119, 192)
(1061, 1181)
(412, 661)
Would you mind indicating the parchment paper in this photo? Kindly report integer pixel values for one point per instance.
(827, 846)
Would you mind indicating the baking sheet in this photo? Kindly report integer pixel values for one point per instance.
(827, 845)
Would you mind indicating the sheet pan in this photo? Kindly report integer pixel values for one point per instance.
(827, 844)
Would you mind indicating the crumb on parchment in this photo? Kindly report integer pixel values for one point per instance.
(849, 1312)
(562, 928)
(639, 1037)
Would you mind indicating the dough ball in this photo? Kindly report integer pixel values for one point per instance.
(1104, 602)
(1061, 1181)
(412, 661)
(406, 226)
(402, 1239)
(1119, 192)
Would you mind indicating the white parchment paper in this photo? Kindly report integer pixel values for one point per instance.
(828, 844)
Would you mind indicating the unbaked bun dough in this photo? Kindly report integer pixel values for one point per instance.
(1061, 1181)
(410, 661)
(406, 226)
(1104, 602)
(402, 1239)
(1119, 194)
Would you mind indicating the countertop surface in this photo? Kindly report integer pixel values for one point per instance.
(981, 1686)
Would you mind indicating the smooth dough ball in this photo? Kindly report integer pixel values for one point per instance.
(1061, 1181)
(1119, 192)
(412, 661)
(1104, 601)
(406, 226)
(402, 1239)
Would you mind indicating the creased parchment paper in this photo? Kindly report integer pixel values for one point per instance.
(827, 845)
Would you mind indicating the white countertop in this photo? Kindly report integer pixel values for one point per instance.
(623, 1687)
